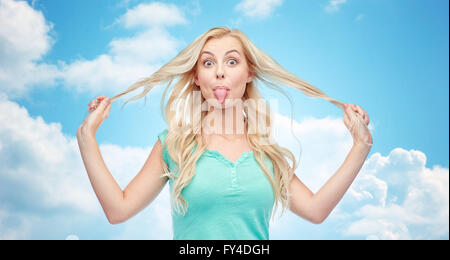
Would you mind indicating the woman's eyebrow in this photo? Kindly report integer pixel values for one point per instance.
(210, 53)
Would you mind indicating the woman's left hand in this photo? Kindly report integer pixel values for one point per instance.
(359, 135)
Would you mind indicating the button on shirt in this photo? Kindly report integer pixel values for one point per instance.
(226, 200)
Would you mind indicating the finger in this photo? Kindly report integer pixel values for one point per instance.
(108, 108)
(346, 117)
(363, 114)
(360, 111)
(103, 104)
(97, 106)
(348, 120)
(92, 106)
(349, 108)
(349, 114)
(96, 101)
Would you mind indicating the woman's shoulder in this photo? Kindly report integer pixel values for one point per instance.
(162, 135)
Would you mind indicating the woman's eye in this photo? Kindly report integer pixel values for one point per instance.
(232, 60)
(235, 61)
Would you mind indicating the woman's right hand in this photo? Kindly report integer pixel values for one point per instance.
(98, 112)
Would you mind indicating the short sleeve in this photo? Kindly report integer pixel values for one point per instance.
(162, 137)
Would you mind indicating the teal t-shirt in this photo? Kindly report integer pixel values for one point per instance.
(226, 200)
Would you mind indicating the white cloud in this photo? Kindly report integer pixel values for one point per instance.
(103, 75)
(417, 198)
(39, 163)
(25, 37)
(43, 181)
(258, 8)
(132, 58)
(393, 197)
(334, 5)
(24, 32)
(146, 47)
(153, 14)
(8, 232)
(326, 140)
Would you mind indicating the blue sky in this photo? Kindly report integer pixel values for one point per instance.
(389, 57)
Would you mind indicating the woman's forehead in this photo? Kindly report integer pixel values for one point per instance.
(223, 45)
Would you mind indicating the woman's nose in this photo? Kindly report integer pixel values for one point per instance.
(220, 73)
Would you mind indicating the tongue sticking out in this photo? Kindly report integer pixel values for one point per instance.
(220, 94)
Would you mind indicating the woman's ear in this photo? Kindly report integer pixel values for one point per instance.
(251, 75)
(196, 80)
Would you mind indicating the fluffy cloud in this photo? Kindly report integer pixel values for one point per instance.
(25, 37)
(258, 8)
(34, 158)
(324, 140)
(153, 14)
(393, 197)
(128, 60)
(131, 58)
(414, 204)
(43, 181)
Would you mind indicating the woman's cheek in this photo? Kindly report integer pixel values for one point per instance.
(206, 93)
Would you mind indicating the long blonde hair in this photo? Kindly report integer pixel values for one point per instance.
(186, 146)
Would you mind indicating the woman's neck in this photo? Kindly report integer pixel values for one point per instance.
(227, 122)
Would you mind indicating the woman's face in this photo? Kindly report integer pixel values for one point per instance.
(222, 65)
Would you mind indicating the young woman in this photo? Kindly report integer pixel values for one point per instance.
(225, 179)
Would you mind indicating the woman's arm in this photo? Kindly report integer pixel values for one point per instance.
(316, 207)
(121, 205)
(324, 201)
(118, 205)
(105, 187)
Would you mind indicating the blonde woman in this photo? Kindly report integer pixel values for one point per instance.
(224, 179)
